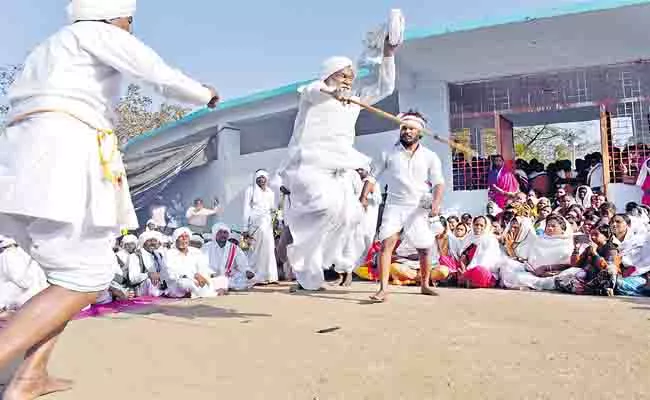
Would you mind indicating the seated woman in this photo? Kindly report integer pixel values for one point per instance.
(450, 245)
(635, 254)
(540, 224)
(452, 222)
(480, 257)
(493, 209)
(595, 269)
(583, 196)
(542, 256)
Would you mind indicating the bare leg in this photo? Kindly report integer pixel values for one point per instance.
(32, 379)
(387, 248)
(347, 281)
(40, 320)
(425, 272)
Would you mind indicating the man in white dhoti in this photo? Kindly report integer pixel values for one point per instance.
(321, 164)
(227, 261)
(259, 203)
(145, 266)
(59, 146)
(408, 168)
(21, 278)
(187, 273)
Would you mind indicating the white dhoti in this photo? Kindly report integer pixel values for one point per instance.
(411, 220)
(188, 287)
(262, 259)
(515, 276)
(55, 202)
(323, 216)
(148, 289)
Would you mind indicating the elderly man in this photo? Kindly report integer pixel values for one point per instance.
(145, 266)
(187, 272)
(227, 260)
(259, 203)
(21, 278)
(408, 168)
(63, 100)
(321, 165)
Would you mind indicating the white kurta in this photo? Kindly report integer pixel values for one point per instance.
(180, 271)
(54, 156)
(21, 278)
(408, 176)
(258, 205)
(218, 258)
(140, 265)
(318, 171)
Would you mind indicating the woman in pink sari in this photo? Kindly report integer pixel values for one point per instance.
(502, 182)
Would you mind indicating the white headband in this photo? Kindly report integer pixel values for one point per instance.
(413, 121)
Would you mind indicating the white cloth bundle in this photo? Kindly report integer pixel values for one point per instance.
(374, 41)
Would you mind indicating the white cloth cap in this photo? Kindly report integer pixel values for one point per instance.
(261, 173)
(129, 239)
(149, 235)
(180, 232)
(333, 65)
(220, 227)
(99, 10)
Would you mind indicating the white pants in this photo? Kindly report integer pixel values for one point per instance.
(323, 215)
(76, 258)
(148, 289)
(262, 259)
(413, 220)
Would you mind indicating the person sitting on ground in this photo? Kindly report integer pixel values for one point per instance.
(607, 210)
(480, 257)
(493, 209)
(564, 204)
(639, 225)
(228, 262)
(595, 268)
(452, 222)
(466, 219)
(187, 272)
(540, 223)
(584, 195)
(21, 278)
(146, 265)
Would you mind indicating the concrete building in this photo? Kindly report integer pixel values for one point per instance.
(578, 63)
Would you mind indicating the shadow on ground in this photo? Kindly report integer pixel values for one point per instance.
(195, 311)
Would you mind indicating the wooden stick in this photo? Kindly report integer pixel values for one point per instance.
(397, 120)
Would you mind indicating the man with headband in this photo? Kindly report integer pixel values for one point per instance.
(408, 169)
(320, 165)
(259, 203)
(59, 145)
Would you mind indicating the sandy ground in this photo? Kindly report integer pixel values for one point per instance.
(463, 344)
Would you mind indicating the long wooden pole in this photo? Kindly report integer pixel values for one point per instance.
(381, 113)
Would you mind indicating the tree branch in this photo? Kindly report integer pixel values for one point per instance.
(536, 136)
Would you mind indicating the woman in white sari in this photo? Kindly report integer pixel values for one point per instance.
(480, 256)
(635, 254)
(538, 258)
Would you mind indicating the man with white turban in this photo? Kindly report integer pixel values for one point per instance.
(409, 170)
(145, 266)
(187, 272)
(59, 145)
(21, 277)
(321, 165)
(259, 203)
(227, 261)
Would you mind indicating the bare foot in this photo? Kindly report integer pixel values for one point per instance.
(296, 288)
(379, 297)
(33, 388)
(427, 291)
(347, 281)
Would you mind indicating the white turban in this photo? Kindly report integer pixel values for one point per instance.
(180, 232)
(220, 227)
(129, 239)
(99, 10)
(149, 235)
(333, 65)
(197, 238)
(413, 121)
(261, 173)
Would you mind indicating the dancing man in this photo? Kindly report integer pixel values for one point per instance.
(59, 146)
(408, 168)
(322, 160)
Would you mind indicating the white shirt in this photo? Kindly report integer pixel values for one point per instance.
(20, 278)
(324, 130)
(180, 265)
(407, 174)
(198, 217)
(79, 70)
(159, 215)
(218, 258)
(595, 176)
(257, 203)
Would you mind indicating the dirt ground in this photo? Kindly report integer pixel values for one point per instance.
(464, 344)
